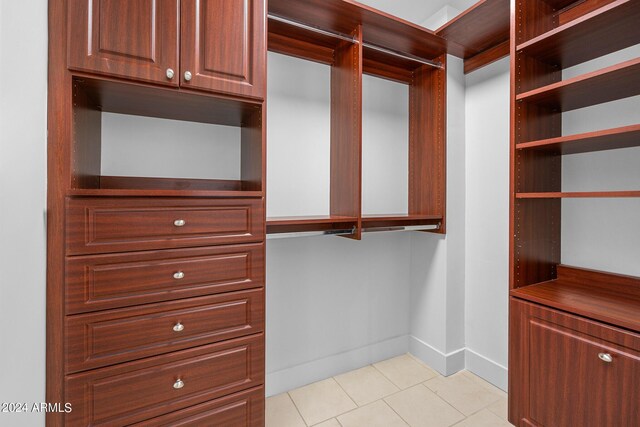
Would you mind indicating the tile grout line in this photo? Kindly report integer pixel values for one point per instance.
(449, 404)
(396, 412)
(297, 409)
(347, 393)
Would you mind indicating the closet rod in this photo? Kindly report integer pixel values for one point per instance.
(340, 232)
(401, 228)
(351, 39)
(408, 56)
(333, 34)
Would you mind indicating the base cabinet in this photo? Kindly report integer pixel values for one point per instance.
(568, 371)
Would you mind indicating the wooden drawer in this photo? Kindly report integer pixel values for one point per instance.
(100, 282)
(136, 391)
(562, 374)
(100, 225)
(244, 409)
(105, 338)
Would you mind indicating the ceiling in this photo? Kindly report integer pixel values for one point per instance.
(416, 11)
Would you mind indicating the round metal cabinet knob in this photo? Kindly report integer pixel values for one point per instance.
(178, 384)
(605, 357)
(187, 75)
(170, 73)
(179, 275)
(179, 222)
(178, 327)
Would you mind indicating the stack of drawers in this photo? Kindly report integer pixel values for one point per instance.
(164, 305)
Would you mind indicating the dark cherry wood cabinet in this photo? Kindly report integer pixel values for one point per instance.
(571, 371)
(574, 351)
(223, 46)
(133, 39)
(212, 45)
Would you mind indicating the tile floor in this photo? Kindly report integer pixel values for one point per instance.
(397, 392)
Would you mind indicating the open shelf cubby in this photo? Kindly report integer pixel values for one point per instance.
(115, 121)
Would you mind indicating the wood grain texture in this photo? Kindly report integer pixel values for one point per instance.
(427, 143)
(223, 46)
(486, 57)
(102, 225)
(171, 184)
(108, 337)
(554, 362)
(309, 223)
(605, 30)
(133, 39)
(102, 282)
(607, 297)
(346, 132)
(578, 194)
(374, 221)
(608, 139)
(59, 125)
(136, 391)
(239, 409)
(608, 84)
(378, 28)
(477, 29)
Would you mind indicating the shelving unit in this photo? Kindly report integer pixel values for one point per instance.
(569, 308)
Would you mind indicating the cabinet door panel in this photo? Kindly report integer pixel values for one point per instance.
(223, 46)
(135, 39)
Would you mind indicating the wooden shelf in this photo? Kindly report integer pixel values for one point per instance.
(605, 30)
(294, 224)
(608, 84)
(606, 297)
(609, 139)
(398, 220)
(477, 29)
(578, 194)
(379, 28)
(101, 192)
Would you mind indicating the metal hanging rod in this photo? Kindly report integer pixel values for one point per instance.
(333, 34)
(343, 232)
(351, 39)
(408, 56)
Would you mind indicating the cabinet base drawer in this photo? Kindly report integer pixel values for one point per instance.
(96, 225)
(136, 391)
(244, 409)
(109, 337)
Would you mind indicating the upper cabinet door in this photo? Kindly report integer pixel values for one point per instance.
(223, 46)
(136, 39)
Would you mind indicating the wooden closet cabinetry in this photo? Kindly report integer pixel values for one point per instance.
(572, 371)
(214, 45)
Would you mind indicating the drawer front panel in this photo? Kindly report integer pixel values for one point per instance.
(105, 338)
(100, 226)
(244, 409)
(113, 281)
(137, 391)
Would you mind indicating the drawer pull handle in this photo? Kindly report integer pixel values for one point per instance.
(179, 222)
(178, 384)
(605, 357)
(178, 327)
(179, 275)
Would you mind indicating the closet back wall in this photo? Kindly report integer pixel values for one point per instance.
(333, 304)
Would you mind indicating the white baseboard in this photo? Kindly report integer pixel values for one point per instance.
(446, 364)
(486, 369)
(307, 373)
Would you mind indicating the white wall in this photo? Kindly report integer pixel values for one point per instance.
(602, 234)
(487, 221)
(23, 79)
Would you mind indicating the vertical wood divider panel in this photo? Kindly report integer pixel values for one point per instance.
(58, 163)
(427, 142)
(346, 131)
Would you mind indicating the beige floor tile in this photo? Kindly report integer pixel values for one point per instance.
(500, 408)
(484, 383)
(320, 401)
(366, 385)
(329, 423)
(376, 414)
(420, 407)
(484, 418)
(281, 412)
(404, 371)
(464, 393)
